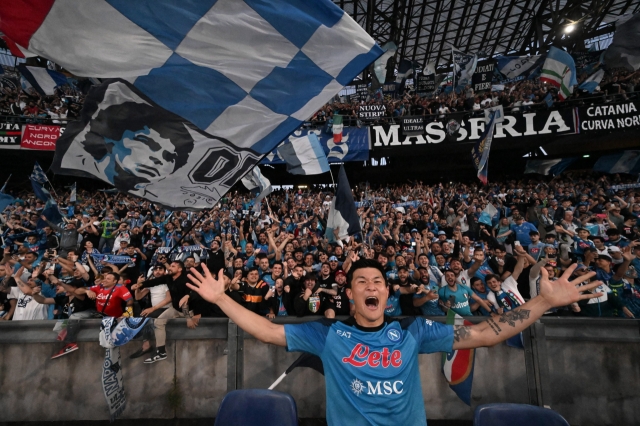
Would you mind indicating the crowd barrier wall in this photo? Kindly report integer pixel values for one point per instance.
(586, 369)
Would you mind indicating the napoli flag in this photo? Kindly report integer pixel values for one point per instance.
(43, 80)
(343, 218)
(457, 366)
(236, 77)
(304, 156)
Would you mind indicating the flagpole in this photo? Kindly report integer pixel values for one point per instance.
(278, 380)
(4, 187)
(331, 173)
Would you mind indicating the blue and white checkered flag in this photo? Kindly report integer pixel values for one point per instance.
(38, 174)
(222, 82)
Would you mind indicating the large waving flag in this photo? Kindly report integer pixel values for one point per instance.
(559, 70)
(211, 85)
(513, 68)
(551, 167)
(43, 80)
(622, 162)
(624, 51)
(304, 156)
(457, 366)
(342, 214)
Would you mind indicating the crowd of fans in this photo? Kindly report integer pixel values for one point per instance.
(476, 250)
(519, 97)
(31, 107)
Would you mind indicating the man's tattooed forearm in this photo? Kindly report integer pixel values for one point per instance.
(512, 316)
(495, 327)
(461, 332)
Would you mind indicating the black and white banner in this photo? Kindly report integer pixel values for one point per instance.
(10, 135)
(425, 84)
(412, 126)
(142, 149)
(610, 117)
(464, 65)
(481, 81)
(466, 129)
(362, 91)
(371, 112)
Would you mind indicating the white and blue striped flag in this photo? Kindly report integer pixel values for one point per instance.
(222, 82)
(515, 67)
(592, 82)
(304, 156)
(258, 184)
(622, 162)
(43, 80)
(551, 167)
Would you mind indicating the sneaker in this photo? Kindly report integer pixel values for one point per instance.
(157, 357)
(139, 353)
(66, 350)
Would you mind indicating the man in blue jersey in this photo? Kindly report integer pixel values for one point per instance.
(370, 361)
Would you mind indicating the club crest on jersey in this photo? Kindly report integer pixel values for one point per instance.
(393, 335)
(314, 304)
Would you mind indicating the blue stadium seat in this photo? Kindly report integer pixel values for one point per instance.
(261, 407)
(516, 415)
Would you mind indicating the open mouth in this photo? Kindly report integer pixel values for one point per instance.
(371, 302)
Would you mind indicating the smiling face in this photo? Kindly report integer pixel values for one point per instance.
(369, 293)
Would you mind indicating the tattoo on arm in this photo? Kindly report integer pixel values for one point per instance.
(495, 327)
(461, 332)
(512, 316)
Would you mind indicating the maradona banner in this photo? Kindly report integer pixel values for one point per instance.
(469, 128)
(353, 147)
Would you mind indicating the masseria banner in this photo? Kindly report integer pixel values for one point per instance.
(354, 145)
(469, 128)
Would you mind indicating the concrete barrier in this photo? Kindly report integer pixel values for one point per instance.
(586, 369)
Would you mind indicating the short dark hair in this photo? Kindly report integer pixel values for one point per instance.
(116, 275)
(179, 263)
(492, 276)
(362, 264)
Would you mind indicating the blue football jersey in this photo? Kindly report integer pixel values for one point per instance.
(372, 375)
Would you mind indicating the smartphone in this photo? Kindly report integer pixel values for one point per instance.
(452, 300)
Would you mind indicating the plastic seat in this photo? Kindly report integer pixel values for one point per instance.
(261, 407)
(516, 415)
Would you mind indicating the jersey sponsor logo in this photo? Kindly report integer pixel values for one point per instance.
(377, 388)
(343, 333)
(385, 388)
(357, 387)
(393, 335)
(361, 355)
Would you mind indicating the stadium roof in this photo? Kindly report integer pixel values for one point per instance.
(424, 31)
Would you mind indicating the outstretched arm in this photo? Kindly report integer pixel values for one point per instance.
(212, 290)
(497, 329)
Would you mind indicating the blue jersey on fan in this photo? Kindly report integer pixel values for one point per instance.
(371, 374)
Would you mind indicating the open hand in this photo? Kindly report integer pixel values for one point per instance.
(207, 286)
(563, 292)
